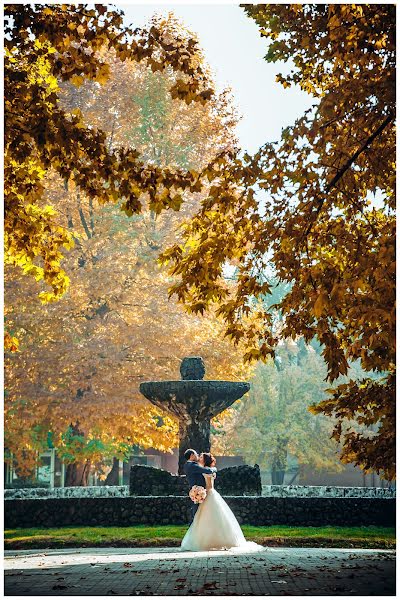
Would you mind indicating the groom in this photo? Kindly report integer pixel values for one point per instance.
(194, 472)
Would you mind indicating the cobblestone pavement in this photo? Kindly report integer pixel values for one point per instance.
(166, 571)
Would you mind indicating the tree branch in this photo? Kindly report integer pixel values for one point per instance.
(82, 216)
(353, 158)
(347, 166)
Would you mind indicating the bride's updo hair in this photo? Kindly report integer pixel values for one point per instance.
(209, 459)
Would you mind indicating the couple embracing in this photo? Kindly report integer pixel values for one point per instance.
(214, 526)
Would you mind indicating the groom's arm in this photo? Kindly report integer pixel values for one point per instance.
(207, 470)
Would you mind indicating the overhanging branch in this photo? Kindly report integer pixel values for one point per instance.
(347, 166)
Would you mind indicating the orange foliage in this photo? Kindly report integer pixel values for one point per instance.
(82, 359)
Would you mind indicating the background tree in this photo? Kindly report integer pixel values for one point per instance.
(82, 359)
(49, 43)
(274, 423)
(324, 222)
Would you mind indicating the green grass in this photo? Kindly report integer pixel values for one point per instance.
(171, 535)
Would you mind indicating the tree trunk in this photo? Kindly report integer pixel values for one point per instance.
(194, 435)
(277, 477)
(113, 476)
(77, 474)
(294, 477)
(279, 461)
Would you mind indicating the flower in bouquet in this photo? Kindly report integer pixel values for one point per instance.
(197, 494)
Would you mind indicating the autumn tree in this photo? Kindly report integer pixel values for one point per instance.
(82, 358)
(324, 221)
(49, 43)
(274, 423)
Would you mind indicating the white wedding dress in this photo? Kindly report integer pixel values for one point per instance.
(215, 527)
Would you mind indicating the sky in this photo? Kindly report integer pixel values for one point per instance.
(235, 52)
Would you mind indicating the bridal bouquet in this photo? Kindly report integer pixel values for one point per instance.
(197, 494)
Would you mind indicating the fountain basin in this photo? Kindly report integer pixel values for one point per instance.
(194, 397)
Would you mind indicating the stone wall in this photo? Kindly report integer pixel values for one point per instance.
(150, 481)
(237, 481)
(148, 510)
(326, 491)
(279, 491)
(103, 491)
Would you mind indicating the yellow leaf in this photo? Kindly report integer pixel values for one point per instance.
(77, 80)
(320, 304)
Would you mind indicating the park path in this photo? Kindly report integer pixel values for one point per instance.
(166, 571)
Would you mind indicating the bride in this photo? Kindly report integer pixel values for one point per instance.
(214, 526)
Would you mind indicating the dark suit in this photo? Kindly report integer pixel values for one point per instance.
(194, 475)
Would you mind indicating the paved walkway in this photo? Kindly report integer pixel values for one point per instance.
(166, 571)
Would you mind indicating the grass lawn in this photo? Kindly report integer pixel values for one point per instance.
(171, 535)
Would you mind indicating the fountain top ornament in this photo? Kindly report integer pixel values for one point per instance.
(192, 368)
(194, 402)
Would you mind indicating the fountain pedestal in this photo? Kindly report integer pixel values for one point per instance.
(194, 402)
(193, 435)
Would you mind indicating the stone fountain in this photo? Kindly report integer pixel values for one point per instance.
(194, 402)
